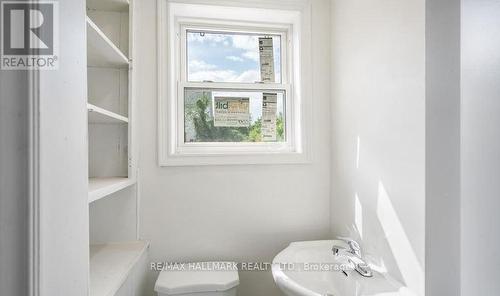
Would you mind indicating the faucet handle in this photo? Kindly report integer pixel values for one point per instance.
(353, 245)
(337, 249)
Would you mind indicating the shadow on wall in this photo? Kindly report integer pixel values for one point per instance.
(377, 224)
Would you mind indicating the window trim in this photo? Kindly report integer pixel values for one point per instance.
(174, 20)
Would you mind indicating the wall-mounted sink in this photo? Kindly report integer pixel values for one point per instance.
(310, 269)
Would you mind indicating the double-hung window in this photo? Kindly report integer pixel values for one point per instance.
(232, 88)
(229, 86)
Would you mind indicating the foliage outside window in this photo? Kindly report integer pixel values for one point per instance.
(199, 121)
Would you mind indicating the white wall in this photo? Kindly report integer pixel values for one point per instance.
(64, 235)
(442, 171)
(480, 147)
(242, 213)
(14, 182)
(378, 128)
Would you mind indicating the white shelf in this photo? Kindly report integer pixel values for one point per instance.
(108, 5)
(102, 187)
(101, 52)
(111, 263)
(100, 115)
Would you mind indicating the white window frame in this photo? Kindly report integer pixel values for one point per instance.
(174, 20)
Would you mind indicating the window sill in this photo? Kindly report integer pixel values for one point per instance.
(184, 159)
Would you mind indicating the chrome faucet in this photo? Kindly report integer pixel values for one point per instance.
(353, 255)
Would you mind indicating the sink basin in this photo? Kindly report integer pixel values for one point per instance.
(310, 269)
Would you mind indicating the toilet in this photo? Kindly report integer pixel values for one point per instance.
(199, 279)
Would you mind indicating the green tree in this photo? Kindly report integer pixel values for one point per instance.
(255, 134)
(255, 131)
(280, 128)
(205, 129)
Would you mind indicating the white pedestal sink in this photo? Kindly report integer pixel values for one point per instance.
(310, 269)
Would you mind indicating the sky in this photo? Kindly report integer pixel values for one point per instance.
(227, 57)
(230, 58)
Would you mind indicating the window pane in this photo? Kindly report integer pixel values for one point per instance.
(232, 57)
(234, 116)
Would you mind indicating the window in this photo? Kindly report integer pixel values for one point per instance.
(229, 86)
(233, 90)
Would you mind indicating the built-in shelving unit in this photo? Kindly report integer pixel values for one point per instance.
(102, 187)
(101, 52)
(109, 103)
(101, 116)
(111, 265)
(116, 268)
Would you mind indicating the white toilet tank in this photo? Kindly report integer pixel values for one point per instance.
(199, 279)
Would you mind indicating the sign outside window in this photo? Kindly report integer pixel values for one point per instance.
(269, 106)
(231, 112)
(266, 53)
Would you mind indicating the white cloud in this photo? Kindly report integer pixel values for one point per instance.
(248, 76)
(234, 58)
(216, 75)
(252, 55)
(250, 44)
(196, 66)
(224, 76)
(246, 42)
(212, 38)
(200, 70)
